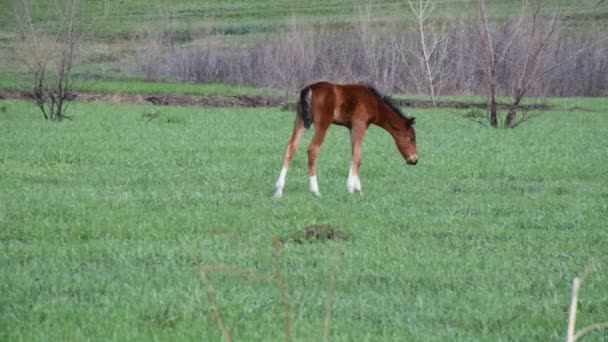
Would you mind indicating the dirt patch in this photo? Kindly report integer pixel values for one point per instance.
(463, 105)
(240, 100)
(444, 104)
(317, 233)
(578, 109)
(587, 16)
(214, 100)
(164, 99)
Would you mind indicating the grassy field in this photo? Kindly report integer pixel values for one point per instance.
(113, 19)
(101, 218)
(20, 81)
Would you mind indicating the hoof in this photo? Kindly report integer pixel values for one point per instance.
(278, 193)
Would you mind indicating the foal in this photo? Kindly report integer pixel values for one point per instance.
(355, 107)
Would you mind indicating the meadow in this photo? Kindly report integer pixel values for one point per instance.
(113, 20)
(104, 217)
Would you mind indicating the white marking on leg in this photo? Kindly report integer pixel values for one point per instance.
(314, 186)
(278, 188)
(350, 182)
(358, 185)
(353, 184)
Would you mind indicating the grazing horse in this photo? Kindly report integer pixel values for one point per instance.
(355, 107)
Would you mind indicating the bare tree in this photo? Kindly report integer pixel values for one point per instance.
(432, 44)
(521, 51)
(535, 43)
(493, 54)
(49, 57)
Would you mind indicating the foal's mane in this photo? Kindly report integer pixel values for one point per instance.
(389, 103)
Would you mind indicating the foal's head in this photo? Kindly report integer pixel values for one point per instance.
(405, 138)
(401, 128)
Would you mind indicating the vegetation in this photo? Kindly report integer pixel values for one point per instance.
(49, 57)
(101, 218)
(262, 44)
(115, 20)
(135, 222)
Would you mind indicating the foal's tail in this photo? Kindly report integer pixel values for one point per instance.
(304, 107)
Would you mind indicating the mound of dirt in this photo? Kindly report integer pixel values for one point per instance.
(317, 233)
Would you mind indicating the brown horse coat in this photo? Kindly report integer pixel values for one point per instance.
(355, 107)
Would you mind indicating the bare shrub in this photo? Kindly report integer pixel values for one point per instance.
(289, 60)
(154, 45)
(516, 57)
(459, 56)
(199, 64)
(49, 54)
(149, 57)
(432, 50)
(378, 49)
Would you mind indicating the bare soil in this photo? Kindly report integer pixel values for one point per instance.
(164, 99)
(317, 233)
(237, 101)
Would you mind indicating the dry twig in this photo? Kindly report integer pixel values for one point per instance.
(217, 316)
(572, 335)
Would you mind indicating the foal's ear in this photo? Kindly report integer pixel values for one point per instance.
(412, 121)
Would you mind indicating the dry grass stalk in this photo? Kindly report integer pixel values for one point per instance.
(277, 245)
(217, 316)
(252, 275)
(572, 335)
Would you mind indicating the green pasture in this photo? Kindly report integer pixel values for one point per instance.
(102, 217)
(20, 81)
(118, 19)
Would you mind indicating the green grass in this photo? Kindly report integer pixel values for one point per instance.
(101, 217)
(143, 87)
(112, 19)
(19, 81)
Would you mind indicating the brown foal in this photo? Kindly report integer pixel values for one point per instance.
(355, 107)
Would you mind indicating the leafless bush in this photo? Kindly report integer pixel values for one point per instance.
(516, 57)
(155, 46)
(290, 60)
(432, 45)
(381, 50)
(49, 54)
(393, 57)
(150, 56)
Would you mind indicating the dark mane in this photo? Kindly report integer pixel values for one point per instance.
(388, 102)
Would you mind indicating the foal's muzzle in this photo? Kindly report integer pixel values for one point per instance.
(412, 160)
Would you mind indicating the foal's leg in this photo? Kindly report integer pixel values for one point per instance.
(290, 151)
(353, 184)
(313, 152)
